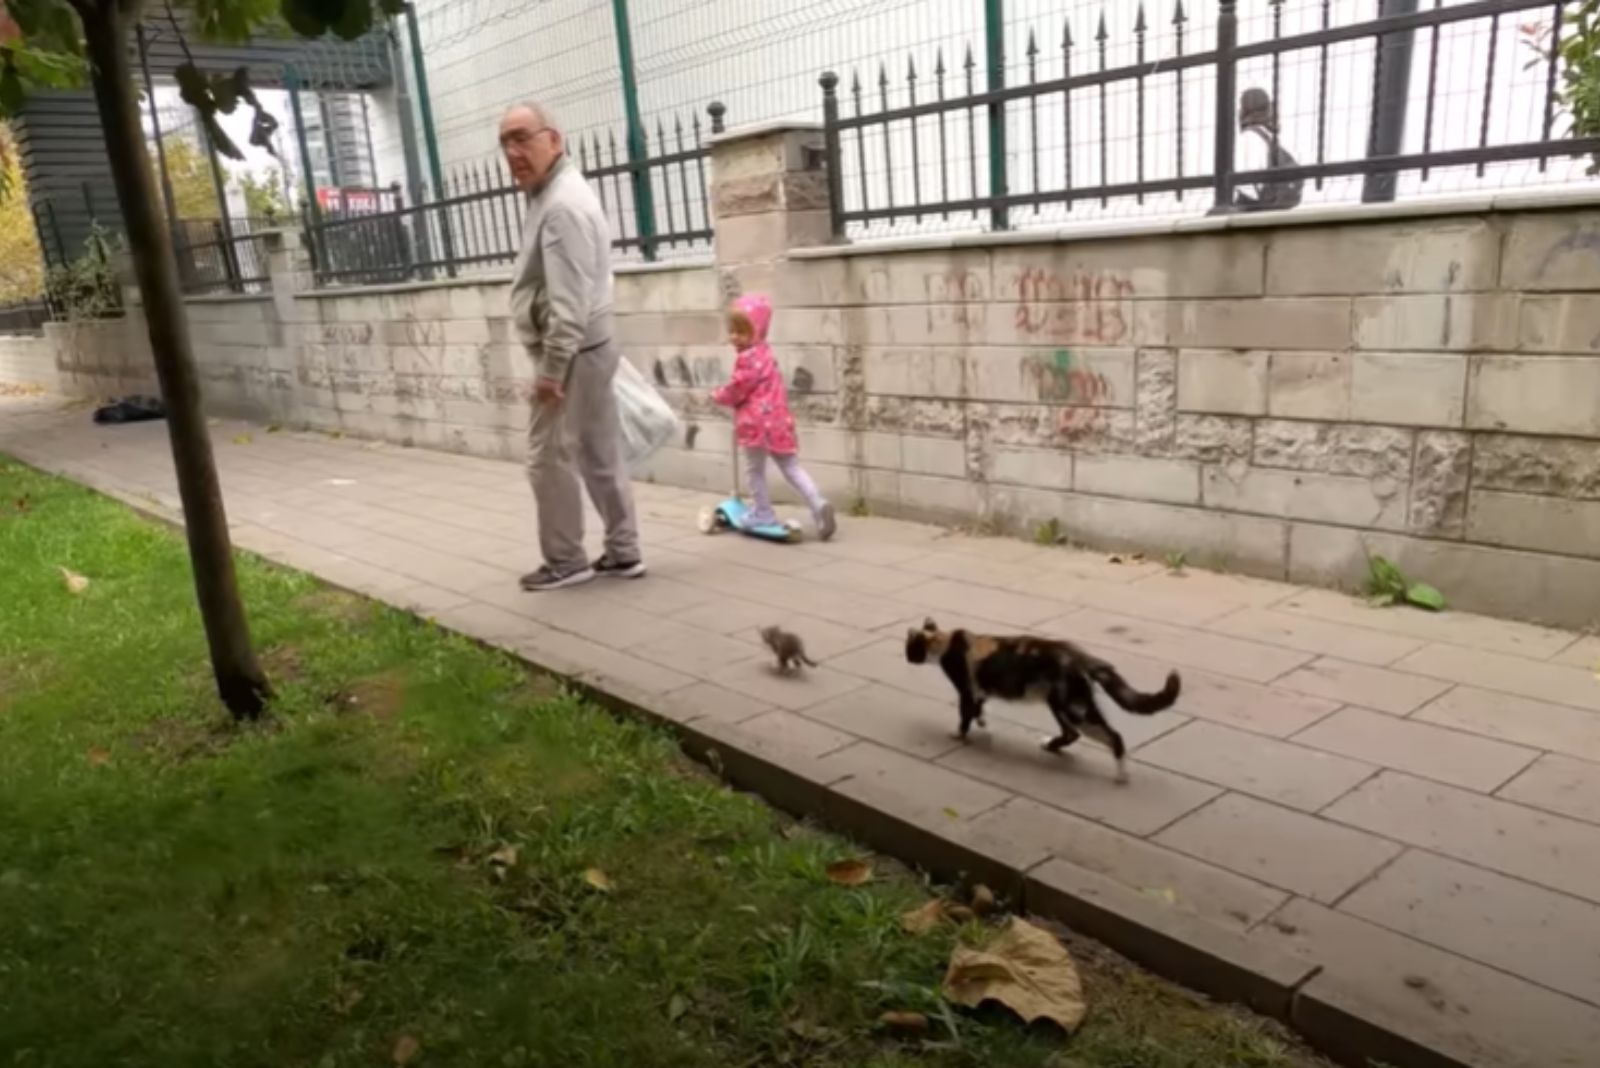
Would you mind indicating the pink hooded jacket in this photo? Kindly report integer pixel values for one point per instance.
(756, 393)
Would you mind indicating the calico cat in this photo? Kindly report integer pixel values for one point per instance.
(981, 666)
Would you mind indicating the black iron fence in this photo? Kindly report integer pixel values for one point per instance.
(216, 256)
(905, 162)
(25, 317)
(477, 223)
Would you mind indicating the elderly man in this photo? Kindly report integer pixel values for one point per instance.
(561, 305)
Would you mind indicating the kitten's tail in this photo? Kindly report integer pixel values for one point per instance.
(804, 659)
(1143, 704)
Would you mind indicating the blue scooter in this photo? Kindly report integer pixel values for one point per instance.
(734, 514)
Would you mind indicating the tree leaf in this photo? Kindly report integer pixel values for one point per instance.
(76, 583)
(303, 17)
(98, 757)
(677, 1007)
(406, 1048)
(854, 872)
(904, 1023)
(1425, 596)
(598, 879)
(354, 20)
(919, 921)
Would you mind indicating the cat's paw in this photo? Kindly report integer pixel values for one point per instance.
(1122, 775)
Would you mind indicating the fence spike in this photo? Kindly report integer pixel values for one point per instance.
(677, 130)
(1100, 34)
(694, 128)
(938, 64)
(583, 154)
(969, 63)
(883, 77)
(911, 72)
(1139, 26)
(1033, 45)
(661, 136)
(1178, 17)
(1066, 35)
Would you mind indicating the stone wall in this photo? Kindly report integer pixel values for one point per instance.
(1277, 396)
(28, 362)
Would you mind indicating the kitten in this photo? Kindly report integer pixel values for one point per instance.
(787, 647)
(1020, 668)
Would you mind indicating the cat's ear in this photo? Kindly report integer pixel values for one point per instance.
(929, 624)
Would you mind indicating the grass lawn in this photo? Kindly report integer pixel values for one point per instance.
(393, 869)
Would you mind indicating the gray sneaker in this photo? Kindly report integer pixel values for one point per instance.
(826, 524)
(547, 578)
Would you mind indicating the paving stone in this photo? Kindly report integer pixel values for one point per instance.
(1078, 780)
(1430, 752)
(704, 700)
(1370, 687)
(1507, 674)
(696, 652)
(1141, 600)
(1431, 999)
(759, 678)
(911, 786)
(1452, 628)
(782, 733)
(1284, 772)
(885, 661)
(1558, 784)
(1528, 931)
(893, 718)
(1214, 653)
(861, 578)
(1280, 847)
(727, 615)
(488, 623)
(1166, 877)
(600, 664)
(1583, 653)
(1010, 608)
(659, 595)
(1559, 728)
(426, 600)
(1548, 850)
(1316, 636)
(1215, 586)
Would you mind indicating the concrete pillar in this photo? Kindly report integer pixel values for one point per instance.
(769, 195)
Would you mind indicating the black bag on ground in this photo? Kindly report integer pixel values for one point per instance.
(130, 410)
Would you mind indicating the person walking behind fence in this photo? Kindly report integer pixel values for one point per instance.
(763, 423)
(561, 305)
(1261, 149)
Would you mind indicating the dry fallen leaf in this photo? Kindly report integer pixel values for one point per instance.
(677, 1006)
(982, 900)
(406, 1049)
(597, 879)
(505, 856)
(952, 814)
(1164, 894)
(241, 439)
(1114, 559)
(920, 921)
(960, 914)
(854, 872)
(98, 757)
(76, 583)
(905, 1023)
(1025, 969)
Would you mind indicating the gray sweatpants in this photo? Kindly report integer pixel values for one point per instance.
(584, 429)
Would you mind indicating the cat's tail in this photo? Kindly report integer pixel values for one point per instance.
(806, 660)
(1143, 704)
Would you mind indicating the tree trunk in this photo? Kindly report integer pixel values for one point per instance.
(240, 681)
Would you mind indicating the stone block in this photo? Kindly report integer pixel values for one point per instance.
(1228, 383)
(1552, 250)
(1545, 524)
(1175, 645)
(1559, 324)
(1155, 400)
(808, 326)
(1471, 323)
(1173, 481)
(912, 324)
(1072, 376)
(1187, 886)
(1290, 850)
(933, 456)
(1358, 502)
(1309, 385)
(1212, 439)
(1440, 478)
(668, 290)
(1044, 468)
(1393, 692)
(1214, 265)
(935, 498)
(1207, 957)
(1283, 772)
(916, 372)
(1433, 256)
(1559, 467)
(1208, 539)
(1383, 998)
(1430, 752)
(810, 282)
(1316, 636)
(909, 786)
(1269, 324)
(1334, 448)
(1408, 389)
(916, 726)
(1560, 784)
(949, 276)
(1550, 851)
(1520, 720)
(758, 238)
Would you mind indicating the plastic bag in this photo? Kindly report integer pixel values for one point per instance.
(647, 421)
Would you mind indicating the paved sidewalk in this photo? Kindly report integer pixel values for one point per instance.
(1380, 822)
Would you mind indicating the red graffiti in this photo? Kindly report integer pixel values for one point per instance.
(1058, 381)
(953, 285)
(1078, 307)
(1078, 425)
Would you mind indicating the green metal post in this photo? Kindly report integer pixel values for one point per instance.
(430, 137)
(644, 207)
(994, 30)
(291, 79)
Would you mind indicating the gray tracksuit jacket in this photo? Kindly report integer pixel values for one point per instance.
(561, 282)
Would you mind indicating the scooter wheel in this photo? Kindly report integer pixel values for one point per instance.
(794, 530)
(709, 520)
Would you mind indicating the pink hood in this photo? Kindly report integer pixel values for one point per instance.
(758, 310)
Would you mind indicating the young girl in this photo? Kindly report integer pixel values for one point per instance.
(762, 421)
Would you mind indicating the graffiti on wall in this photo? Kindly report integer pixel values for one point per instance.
(1059, 379)
(1083, 307)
